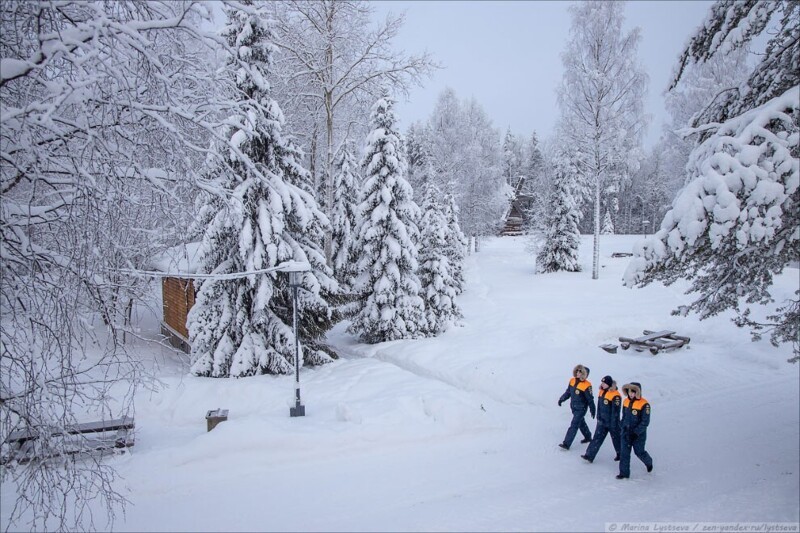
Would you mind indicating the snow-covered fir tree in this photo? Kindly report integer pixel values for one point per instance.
(560, 249)
(608, 224)
(734, 226)
(534, 160)
(435, 271)
(456, 241)
(390, 306)
(241, 326)
(290, 157)
(344, 217)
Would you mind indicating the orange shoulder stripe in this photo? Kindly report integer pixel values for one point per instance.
(638, 405)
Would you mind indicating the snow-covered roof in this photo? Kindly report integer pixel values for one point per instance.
(184, 258)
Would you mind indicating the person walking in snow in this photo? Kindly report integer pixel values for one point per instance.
(609, 405)
(579, 393)
(635, 419)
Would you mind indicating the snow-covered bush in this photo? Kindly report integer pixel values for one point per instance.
(608, 224)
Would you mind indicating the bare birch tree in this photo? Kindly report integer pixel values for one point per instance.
(601, 98)
(105, 109)
(335, 56)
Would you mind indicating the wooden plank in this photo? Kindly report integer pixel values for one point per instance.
(103, 425)
(74, 444)
(666, 344)
(90, 427)
(652, 336)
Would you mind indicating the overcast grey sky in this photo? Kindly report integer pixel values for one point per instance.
(508, 55)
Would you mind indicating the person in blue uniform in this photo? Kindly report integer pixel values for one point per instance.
(609, 405)
(635, 419)
(579, 394)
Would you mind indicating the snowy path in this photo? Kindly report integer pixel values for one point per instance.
(460, 432)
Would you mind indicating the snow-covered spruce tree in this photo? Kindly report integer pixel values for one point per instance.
(289, 158)
(456, 242)
(241, 327)
(560, 249)
(608, 224)
(732, 25)
(344, 217)
(734, 226)
(390, 307)
(435, 271)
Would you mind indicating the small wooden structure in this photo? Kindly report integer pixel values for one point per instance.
(515, 216)
(655, 341)
(178, 292)
(214, 417)
(114, 434)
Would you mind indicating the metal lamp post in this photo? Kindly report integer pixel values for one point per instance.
(295, 280)
(644, 226)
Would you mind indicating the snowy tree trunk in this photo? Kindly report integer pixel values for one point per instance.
(596, 249)
(328, 171)
(329, 132)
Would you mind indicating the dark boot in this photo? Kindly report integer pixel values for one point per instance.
(616, 458)
(586, 439)
(620, 476)
(587, 458)
(562, 445)
(650, 468)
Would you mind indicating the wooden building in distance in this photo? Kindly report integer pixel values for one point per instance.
(177, 291)
(516, 218)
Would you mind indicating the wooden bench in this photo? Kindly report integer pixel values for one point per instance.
(655, 341)
(114, 434)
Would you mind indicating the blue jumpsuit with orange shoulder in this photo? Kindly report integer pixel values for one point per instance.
(635, 419)
(580, 396)
(609, 404)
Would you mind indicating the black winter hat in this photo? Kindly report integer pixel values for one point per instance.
(607, 380)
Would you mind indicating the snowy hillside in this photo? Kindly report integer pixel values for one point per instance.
(460, 432)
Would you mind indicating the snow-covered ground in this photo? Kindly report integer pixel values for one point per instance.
(460, 432)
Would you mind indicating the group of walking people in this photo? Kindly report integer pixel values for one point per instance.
(629, 431)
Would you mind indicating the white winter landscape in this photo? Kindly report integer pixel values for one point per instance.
(460, 432)
(336, 265)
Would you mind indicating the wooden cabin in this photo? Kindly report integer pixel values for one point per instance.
(177, 292)
(515, 218)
